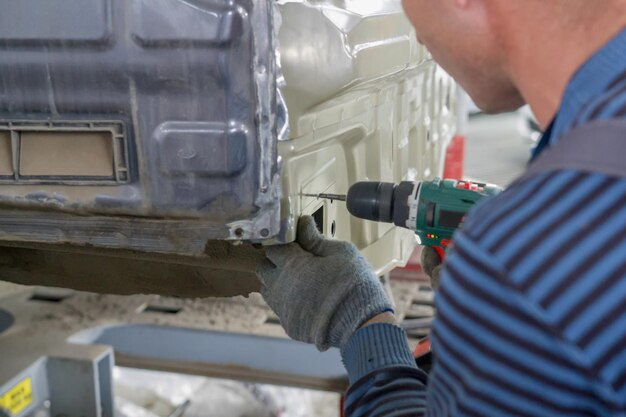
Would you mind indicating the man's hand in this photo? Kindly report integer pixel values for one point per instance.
(431, 265)
(322, 290)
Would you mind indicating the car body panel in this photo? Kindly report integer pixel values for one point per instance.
(204, 120)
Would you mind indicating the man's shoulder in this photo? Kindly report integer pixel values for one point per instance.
(557, 240)
(538, 275)
(548, 232)
(545, 209)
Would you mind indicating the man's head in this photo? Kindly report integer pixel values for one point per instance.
(461, 37)
(491, 47)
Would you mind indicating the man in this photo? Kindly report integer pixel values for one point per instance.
(531, 314)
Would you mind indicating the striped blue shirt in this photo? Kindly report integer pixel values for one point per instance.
(531, 314)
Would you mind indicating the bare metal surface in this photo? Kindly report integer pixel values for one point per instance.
(231, 371)
(336, 197)
(194, 87)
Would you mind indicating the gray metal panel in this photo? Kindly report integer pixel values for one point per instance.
(104, 371)
(196, 22)
(203, 149)
(38, 375)
(239, 356)
(76, 386)
(46, 22)
(193, 83)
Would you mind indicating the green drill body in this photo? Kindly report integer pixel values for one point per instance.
(441, 207)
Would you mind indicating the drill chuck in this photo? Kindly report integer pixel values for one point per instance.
(380, 201)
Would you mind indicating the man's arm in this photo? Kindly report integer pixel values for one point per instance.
(384, 380)
(325, 292)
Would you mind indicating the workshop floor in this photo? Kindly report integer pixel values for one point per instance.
(141, 393)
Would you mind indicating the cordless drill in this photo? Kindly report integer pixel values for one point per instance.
(433, 209)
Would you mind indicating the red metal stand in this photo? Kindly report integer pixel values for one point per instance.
(455, 157)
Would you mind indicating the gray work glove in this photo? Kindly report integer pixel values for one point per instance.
(431, 265)
(322, 290)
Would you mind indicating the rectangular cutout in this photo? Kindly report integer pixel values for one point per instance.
(423, 303)
(413, 316)
(49, 298)
(6, 154)
(60, 154)
(151, 308)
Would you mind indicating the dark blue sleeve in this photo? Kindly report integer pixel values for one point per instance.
(384, 380)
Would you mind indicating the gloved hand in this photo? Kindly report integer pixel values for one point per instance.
(431, 265)
(322, 290)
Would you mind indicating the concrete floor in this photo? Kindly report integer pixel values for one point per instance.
(159, 394)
